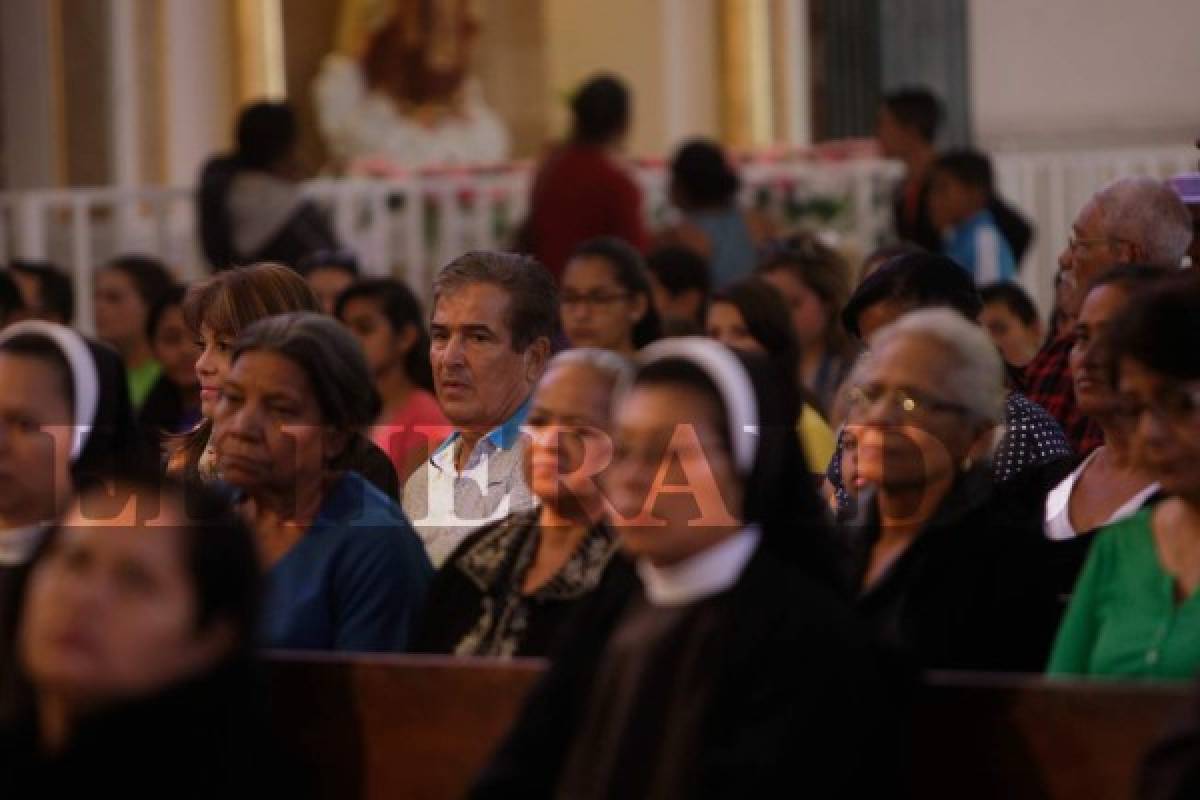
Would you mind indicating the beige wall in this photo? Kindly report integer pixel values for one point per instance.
(1080, 72)
(309, 27)
(198, 84)
(692, 65)
(86, 76)
(664, 49)
(584, 37)
(511, 65)
(30, 113)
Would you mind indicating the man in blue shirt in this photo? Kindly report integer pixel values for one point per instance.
(493, 317)
(959, 194)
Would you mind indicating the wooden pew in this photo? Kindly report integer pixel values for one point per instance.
(411, 727)
(421, 727)
(982, 736)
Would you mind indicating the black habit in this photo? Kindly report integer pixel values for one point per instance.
(763, 685)
(980, 588)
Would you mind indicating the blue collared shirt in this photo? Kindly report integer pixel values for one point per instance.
(446, 504)
(501, 438)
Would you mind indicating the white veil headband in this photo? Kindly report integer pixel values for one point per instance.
(731, 379)
(84, 377)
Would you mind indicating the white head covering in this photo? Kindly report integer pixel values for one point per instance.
(731, 379)
(84, 378)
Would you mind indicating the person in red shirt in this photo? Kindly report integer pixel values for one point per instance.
(581, 190)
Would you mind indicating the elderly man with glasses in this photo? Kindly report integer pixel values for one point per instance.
(1130, 221)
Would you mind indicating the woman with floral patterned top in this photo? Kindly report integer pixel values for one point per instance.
(508, 589)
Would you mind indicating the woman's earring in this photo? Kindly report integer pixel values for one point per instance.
(967, 463)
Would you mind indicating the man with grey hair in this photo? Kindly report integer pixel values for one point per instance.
(1130, 221)
(493, 317)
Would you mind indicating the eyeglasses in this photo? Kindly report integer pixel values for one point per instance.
(1175, 407)
(592, 299)
(907, 401)
(1077, 245)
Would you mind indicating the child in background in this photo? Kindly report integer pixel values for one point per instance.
(387, 319)
(126, 289)
(1011, 319)
(329, 273)
(960, 190)
(173, 404)
(680, 284)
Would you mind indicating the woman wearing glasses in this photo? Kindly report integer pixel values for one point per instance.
(934, 560)
(606, 300)
(1135, 611)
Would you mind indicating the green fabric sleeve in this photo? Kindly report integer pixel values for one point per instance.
(1076, 637)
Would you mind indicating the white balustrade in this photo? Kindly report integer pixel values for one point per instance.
(410, 225)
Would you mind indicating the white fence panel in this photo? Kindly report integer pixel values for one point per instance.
(410, 225)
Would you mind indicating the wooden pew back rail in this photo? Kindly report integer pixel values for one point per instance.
(421, 728)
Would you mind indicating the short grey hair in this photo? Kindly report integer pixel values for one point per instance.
(1146, 212)
(614, 368)
(977, 372)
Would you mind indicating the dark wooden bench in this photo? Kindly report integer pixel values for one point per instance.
(414, 727)
(410, 727)
(980, 737)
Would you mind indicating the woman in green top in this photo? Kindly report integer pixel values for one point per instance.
(1136, 611)
(126, 289)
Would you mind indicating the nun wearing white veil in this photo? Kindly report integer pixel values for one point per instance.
(731, 664)
(65, 421)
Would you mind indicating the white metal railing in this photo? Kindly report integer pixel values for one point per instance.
(408, 225)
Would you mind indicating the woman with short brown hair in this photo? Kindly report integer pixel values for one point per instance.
(217, 310)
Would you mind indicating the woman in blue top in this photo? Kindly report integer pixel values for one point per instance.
(346, 571)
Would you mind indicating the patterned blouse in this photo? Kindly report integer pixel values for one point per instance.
(496, 561)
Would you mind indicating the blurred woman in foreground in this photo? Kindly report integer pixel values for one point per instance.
(135, 653)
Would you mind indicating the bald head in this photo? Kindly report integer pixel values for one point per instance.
(1149, 215)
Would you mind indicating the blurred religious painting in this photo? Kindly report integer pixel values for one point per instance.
(397, 92)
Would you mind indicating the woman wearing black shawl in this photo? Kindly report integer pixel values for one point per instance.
(730, 665)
